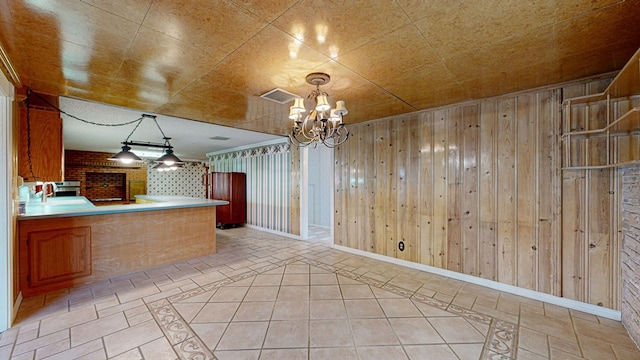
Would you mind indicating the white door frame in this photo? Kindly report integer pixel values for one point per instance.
(7, 179)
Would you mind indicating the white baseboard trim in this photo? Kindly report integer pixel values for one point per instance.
(271, 231)
(16, 306)
(531, 294)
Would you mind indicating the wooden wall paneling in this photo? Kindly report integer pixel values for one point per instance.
(549, 200)
(369, 186)
(573, 234)
(381, 150)
(353, 228)
(598, 210)
(426, 251)
(295, 190)
(507, 216)
(402, 184)
(454, 189)
(391, 202)
(411, 155)
(487, 252)
(341, 175)
(530, 216)
(469, 196)
(526, 190)
(440, 211)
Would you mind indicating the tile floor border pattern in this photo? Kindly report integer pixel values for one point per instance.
(500, 343)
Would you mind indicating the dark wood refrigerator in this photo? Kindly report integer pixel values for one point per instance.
(231, 187)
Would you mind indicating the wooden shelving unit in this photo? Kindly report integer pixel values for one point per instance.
(603, 130)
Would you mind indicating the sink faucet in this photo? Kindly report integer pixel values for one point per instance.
(45, 188)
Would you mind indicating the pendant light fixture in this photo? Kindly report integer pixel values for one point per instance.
(169, 159)
(323, 125)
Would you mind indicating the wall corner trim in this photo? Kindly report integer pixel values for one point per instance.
(531, 294)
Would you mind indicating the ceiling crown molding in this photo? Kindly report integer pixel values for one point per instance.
(8, 69)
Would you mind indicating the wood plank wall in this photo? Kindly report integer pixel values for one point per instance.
(478, 188)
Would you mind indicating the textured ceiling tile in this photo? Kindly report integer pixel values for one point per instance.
(476, 25)
(211, 59)
(599, 29)
(79, 23)
(333, 27)
(160, 51)
(132, 10)
(267, 10)
(254, 71)
(218, 27)
(400, 51)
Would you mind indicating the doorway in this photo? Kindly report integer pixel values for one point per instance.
(319, 193)
(6, 202)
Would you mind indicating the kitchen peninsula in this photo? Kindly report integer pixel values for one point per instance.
(68, 241)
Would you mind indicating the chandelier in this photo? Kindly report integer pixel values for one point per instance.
(168, 161)
(322, 125)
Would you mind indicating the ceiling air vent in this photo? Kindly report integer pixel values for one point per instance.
(221, 138)
(280, 96)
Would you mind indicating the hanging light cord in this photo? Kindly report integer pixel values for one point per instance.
(75, 117)
(28, 103)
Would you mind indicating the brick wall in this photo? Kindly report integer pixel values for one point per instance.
(631, 251)
(77, 164)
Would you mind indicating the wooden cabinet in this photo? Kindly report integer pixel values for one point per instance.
(231, 187)
(603, 130)
(53, 257)
(44, 133)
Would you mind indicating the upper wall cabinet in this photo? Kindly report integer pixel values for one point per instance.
(603, 130)
(40, 155)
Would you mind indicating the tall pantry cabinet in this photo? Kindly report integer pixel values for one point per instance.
(231, 187)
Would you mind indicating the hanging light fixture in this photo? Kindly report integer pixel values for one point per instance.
(169, 159)
(323, 124)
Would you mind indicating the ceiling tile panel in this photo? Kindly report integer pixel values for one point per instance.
(253, 70)
(217, 28)
(267, 10)
(210, 59)
(156, 50)
(132, 10)
(399, 51)
(336, 27)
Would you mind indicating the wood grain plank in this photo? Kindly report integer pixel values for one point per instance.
(382, 182)
(507, 216)
(392, 199)
(526, 195)
(440, 211)
(488, 165)
(573, 234)
(470, 197)
(549, 203)
(426, 254)
(454, 189)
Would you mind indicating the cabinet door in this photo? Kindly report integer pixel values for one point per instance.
(46, 145)
(59, 255)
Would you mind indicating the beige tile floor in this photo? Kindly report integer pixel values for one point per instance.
(263, 296)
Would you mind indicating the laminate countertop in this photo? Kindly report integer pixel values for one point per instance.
(68, 206)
